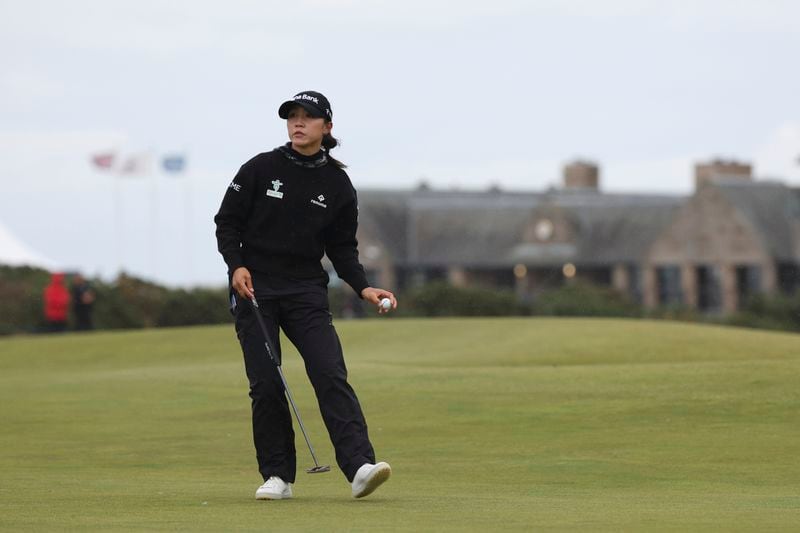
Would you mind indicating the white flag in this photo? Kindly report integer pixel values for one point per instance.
(136, 165)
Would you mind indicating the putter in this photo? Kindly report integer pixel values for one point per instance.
(317, 469)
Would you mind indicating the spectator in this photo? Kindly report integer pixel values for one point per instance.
(56, 304)
(83, 298)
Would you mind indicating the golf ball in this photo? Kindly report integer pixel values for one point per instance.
(386, 303)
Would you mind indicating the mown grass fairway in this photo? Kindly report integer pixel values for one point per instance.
(489, 425)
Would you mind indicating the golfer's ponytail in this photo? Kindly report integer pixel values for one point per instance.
(329, 142)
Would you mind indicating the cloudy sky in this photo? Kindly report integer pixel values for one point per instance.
(461, 95)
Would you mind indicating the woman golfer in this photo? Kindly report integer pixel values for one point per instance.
(283, 211)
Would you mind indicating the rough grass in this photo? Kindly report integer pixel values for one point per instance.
(489, 424)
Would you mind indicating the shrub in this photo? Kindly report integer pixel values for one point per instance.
(780, 312)
(680, 313)
(21, 306)
(128, 302)
(584, 299)
(195, 307)
(441, 299)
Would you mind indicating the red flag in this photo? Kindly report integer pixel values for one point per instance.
(104, 161)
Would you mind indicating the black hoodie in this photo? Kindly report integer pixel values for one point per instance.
(283, 211)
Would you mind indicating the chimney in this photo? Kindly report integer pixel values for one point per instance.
(582, 176)
(721, 170)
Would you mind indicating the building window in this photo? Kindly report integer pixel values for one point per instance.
(490, 278)
(709, 288)
(788, 277)
(748, 282)
(423, 275)
(597, 275)
(635, 283)
(668, 279)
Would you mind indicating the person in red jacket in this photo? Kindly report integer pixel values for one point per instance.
(56, 303)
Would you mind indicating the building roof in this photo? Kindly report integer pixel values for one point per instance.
(486, 229)
(622, 233)
(774, 211)
(385, 215)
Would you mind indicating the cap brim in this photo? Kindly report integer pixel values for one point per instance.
(283, 110)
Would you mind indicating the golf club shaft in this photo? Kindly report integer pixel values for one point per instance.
(297, 416)
(272, 355)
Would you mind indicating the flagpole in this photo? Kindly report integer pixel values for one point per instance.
(117, 225)
(188, 214)
(119, 220)
(153, 215)
(107, 161)
(119, 217)
(175, 164)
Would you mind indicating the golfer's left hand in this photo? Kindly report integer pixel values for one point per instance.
(375, 295)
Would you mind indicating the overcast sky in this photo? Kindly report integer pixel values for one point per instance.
(459, 94)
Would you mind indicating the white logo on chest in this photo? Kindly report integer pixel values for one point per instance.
(319, 200)
(274, 192)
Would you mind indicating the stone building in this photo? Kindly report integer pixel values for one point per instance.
(732, 238)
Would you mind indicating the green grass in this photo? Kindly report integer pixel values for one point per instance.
(489, 424)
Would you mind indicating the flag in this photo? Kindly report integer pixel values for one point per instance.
(136, 164)
(174, 163)
(104, 161)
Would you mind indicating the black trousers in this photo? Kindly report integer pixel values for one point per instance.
(300, 309)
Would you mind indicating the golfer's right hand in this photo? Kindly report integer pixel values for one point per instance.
(242, 283)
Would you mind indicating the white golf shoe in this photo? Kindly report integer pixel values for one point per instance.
(369, 477)
(274, 489)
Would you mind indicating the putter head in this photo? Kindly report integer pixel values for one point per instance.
(318, 469)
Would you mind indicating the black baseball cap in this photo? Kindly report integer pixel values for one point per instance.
(315, 103)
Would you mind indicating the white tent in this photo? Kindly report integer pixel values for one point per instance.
(14, 252)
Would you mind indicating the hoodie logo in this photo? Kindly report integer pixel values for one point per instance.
(274, 192)
(319, 201)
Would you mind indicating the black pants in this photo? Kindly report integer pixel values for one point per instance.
(83, 318)
(300, 308)
(56, 326)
